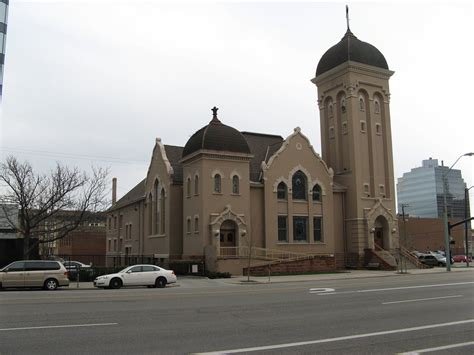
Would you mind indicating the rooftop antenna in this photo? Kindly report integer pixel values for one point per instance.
(347, 18)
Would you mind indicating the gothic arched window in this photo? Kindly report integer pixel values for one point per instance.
(162, 211)
(317, 193)
(150, 214)
(156, 208)
(281, 191)
(299, 186)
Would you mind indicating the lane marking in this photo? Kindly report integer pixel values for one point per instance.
(59, 326)
(321, 290)
(329, 340)
(422, 299)
(415, 352)
(399, 288)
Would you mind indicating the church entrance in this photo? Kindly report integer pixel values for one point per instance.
(380, 231)
(228, 234)
(378, 238)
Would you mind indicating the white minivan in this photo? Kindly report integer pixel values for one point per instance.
(47, 274)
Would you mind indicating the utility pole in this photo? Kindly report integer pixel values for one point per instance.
(466, 216)
(403, 260)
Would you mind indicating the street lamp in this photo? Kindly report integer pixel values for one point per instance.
(445, 214)
(466, 199)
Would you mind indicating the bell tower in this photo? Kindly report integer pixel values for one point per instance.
(352, 80)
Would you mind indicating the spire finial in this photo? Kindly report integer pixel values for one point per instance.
(347, 18)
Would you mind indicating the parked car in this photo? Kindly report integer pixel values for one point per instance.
(441, 259)
(77, 264)
(137, 275)
(461, 259)
(47, 274)
(430, 260)
(73, 268)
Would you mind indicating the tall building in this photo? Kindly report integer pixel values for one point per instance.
(3, 37)
(421, 191)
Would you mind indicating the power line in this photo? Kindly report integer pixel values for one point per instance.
(111, 160)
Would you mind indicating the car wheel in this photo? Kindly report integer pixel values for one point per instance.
(160, 282)
(115, 283)
(50, 284)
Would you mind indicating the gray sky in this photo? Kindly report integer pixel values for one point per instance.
(98, 81)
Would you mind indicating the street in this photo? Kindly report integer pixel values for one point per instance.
(381, 315)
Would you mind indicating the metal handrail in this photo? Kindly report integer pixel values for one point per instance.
(413, 259)
(263, 253)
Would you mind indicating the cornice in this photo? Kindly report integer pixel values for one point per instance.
(216, 155)
(354, 67)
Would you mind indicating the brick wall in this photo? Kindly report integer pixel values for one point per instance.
(427, 234)
(85, 245)
(317, 264)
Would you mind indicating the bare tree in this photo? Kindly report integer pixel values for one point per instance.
(50, 206)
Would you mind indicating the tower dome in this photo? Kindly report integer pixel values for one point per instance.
(217, 136)
(351, 48)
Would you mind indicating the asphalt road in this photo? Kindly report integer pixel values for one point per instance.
(386, 315)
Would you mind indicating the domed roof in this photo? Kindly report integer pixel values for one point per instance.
(350, 48)
(217, 136)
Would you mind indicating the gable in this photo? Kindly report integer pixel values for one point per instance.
(296, 142)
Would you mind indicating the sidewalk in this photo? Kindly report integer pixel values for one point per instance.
(346, 274)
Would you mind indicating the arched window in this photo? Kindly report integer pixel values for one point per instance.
(299, 186)
(150, 214)
(343, 105)
(361, 104)
(156, 207)
(376, 106)
(196, 185)
(188, 187)
(281, 191)
(317, 193)
(196, 224)
(188, 225)
(217, 183)
(235, 185)
(162, 211)
(330, 109)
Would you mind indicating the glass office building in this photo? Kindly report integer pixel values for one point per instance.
(3, 37)
(421, 191)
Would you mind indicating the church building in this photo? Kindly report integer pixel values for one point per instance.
(226, 193)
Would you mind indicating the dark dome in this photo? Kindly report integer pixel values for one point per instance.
(350, 48)
(217, 136)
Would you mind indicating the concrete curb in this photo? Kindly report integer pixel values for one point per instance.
(261, 280)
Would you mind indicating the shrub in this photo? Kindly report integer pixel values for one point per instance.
(218, 275)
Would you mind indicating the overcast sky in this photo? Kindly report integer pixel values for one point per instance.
(97, 81)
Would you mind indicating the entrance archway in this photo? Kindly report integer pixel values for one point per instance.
(380, 233)
(228, 233)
